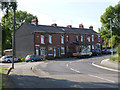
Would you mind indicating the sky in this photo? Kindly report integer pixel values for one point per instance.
(67, 12)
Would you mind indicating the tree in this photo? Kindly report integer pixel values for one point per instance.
(114, 14)
(6, 6)
(7, 23)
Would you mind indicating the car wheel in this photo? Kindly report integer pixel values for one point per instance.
(32, 60)
(8, 61)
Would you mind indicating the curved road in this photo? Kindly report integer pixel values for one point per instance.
(63, 73)
(79, 70)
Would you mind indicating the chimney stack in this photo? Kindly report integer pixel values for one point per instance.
(91, 27)
(69, 26)
(81, 26)
(54, 24)
(34, 21)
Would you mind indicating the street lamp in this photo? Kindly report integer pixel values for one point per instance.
(111, 36)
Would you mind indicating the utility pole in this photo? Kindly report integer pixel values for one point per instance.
(111, 36)
(13, 43)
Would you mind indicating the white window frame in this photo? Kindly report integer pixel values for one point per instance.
(42, 39)
(93, 47)
(88, 38)
(41, 52)
(81, 38)
(63, 48)
(50, 38)
(67, 38)
(98, 38)
(89, 46)
(77, 39)
(48, 50)
(92, 38)
(62, 39)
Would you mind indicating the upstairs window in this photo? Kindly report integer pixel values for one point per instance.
(67, 38)
(81, 38)
(98, 38)
(77, 39)
(42, 39)
(88, 38)
(62, 39)
(50, 38)
(92, 38)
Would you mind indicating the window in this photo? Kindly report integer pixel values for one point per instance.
(88, 38)
(81, 38)
(98, 38)
(62, 50)
(50, 51)
(50, 38)
(92, 38)
(77, 39)
(37, 51)
(42, 39)
(89, 47)
(62, 39)
(42, 51)
(92, 46)
(67, 38)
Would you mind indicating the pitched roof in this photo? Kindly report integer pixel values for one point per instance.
(59, 29)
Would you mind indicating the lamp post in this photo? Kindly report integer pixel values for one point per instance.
(111, 36)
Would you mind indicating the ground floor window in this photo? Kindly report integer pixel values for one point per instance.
(62, 50)
(50, 51)
(93, 47)
(89, 47)
(42, 51)
(37, 51)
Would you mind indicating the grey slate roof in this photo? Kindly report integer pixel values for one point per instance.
(58, 29)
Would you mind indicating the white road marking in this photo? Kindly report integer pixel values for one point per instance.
(75, 70)
(105, 68)
(101, 78)
(67, 65)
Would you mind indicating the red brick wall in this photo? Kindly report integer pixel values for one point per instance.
(56, 40)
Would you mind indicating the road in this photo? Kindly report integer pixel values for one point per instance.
(64, 73)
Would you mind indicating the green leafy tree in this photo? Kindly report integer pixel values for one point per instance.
(7, 23)
(6, 7)
(114, 14)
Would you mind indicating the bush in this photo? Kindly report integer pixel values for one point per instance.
(57, 57)
(50, 58)
(22, 59)
(118, 49)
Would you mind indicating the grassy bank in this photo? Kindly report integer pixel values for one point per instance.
(115, 58)
(1, 84)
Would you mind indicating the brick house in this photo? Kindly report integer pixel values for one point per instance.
(54, 40)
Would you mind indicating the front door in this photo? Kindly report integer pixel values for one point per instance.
(58, 51)
(54, 52)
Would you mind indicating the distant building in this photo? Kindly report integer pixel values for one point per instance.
(54, 40)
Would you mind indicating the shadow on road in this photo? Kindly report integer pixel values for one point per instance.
(25, 81)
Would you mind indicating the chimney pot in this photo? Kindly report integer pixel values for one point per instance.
(69, 26)
(81, 26)
(54, 24)
(34, 21)
(91, 27)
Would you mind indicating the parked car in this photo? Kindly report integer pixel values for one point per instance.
(108, 51)
(83, 53)
(96, 52)
(33, 58)
(8, 59)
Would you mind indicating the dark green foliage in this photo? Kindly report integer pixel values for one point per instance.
(114, 14)
(50, 58)
(7, 26)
